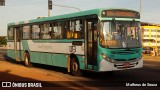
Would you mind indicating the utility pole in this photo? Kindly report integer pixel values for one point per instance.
(49, 7)
(140, 6)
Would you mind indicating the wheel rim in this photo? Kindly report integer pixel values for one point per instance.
(26, 60)
(74, 67)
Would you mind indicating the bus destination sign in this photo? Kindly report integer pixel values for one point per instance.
(120, 14)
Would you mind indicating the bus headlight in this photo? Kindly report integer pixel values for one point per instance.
(139, 58)
(105, 57)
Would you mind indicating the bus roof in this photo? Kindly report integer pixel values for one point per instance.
(76, 14)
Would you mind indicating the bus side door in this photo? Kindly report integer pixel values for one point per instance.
(91, 41)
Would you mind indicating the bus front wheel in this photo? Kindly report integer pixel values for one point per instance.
(27, 59)
(74, 68)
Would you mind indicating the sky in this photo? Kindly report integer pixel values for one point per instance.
(23, 10)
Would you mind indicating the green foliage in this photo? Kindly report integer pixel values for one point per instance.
(3, 40)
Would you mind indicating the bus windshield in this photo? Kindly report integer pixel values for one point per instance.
(120, 34)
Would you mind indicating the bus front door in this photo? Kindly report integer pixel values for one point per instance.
(91, 41)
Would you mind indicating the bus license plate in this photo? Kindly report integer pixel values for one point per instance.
(126, 65)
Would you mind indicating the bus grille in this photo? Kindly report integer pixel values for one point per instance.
(121, 65)
(125, 59)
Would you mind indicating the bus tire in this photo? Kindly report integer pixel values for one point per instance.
(27, 59)
(74, 67)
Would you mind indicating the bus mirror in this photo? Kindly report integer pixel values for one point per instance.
(134, 20)
(132, 23)
(113, 20)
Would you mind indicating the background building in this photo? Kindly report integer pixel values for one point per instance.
(151, 36)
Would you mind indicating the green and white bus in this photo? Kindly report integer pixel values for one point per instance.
(98, 40)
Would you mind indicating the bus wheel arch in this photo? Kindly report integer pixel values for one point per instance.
(74, 65)
(27, 59)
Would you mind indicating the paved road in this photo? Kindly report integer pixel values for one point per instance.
(149, 75)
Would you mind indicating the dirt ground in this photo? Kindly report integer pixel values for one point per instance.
(10, 72)
(19, 72)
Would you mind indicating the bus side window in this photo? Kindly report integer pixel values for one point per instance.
(35, 32)
(10, 33)
(75, 30)
(72, 28)
(26, 32)
(79, 30)
(58, 32)
(52, 31)
(66, 28)
(46, 31)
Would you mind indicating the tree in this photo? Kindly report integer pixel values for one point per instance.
(3, 40)
(2, 2)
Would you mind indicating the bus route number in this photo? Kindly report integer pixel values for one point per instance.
(72, 49)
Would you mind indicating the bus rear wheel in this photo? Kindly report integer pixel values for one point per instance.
(74, 67)
(27, 59)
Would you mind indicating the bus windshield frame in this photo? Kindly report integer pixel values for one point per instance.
(120, 34)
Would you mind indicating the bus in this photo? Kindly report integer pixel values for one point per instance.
(97, 40)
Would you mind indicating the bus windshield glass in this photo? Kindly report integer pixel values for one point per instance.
(120, 34)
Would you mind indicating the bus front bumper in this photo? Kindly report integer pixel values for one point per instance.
(108, 66)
